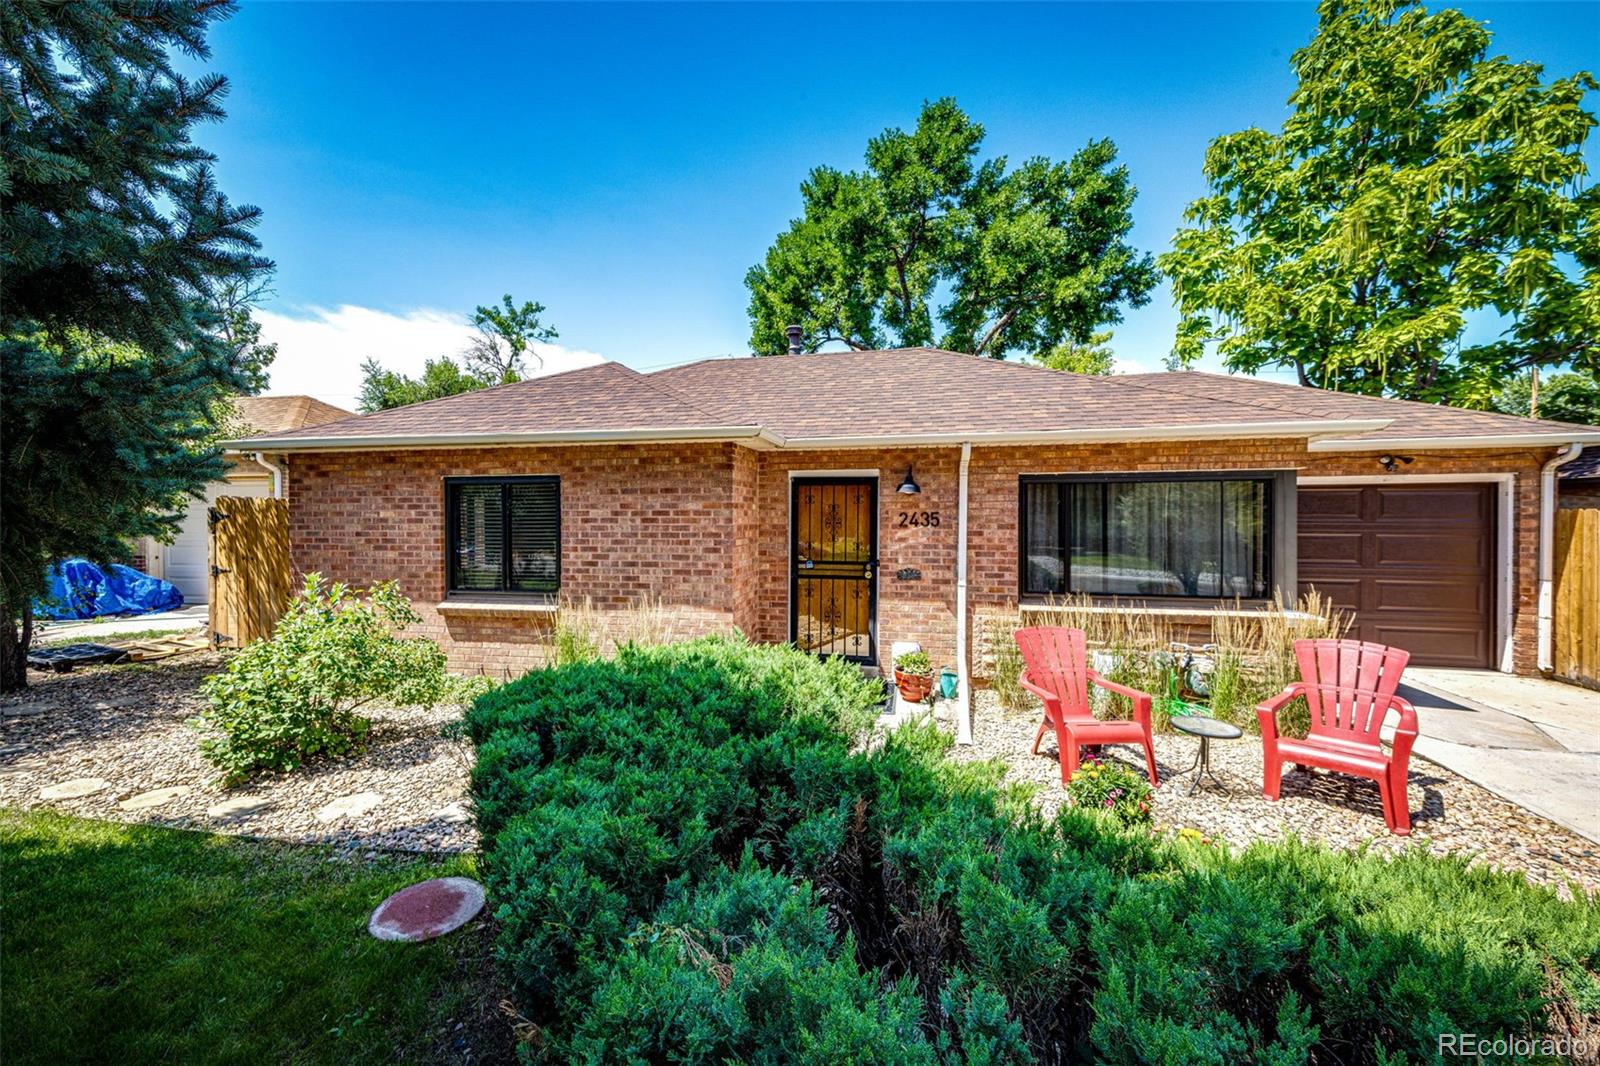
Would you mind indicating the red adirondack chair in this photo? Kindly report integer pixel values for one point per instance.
(1350, 687)
(1057, 671)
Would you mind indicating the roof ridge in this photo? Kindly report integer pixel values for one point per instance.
(1361, 396)
(1127, 382)
(678, 397)
(495, 388)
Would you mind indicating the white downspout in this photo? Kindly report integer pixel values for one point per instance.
(963, 672)
(276, 471)
(1547, 553)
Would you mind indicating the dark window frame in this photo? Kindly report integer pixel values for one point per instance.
(452, 528)
(1280, 541)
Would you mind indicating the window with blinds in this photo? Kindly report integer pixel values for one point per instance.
(504, 534)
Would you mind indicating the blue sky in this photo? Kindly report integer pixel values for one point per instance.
(626, 164)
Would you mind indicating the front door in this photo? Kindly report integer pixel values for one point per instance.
(833, 560)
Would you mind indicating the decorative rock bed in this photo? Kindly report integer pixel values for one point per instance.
(113, 743)
(1449, 814)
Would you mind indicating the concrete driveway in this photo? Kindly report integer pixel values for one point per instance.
(184, 618)
(1534, 742)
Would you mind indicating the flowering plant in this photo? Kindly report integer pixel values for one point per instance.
(1113, 788)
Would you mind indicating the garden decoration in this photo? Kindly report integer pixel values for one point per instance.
(1187, 676)
(913, 676)
(1058, 673)
(1349, 687)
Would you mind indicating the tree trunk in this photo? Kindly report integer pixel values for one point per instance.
(15, 636)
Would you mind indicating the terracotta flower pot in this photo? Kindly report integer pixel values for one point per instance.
(914, 688)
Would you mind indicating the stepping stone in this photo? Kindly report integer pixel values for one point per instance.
(350, 806)
(153, 798)
(74, 789)
(237, 810)
(427, 909)
(451, 812)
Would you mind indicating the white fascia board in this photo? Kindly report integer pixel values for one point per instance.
(492, 440)
(1109, 434)
(1502, 440)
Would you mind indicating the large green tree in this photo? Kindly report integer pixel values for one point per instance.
(505, 333)
(116, 253)
(1420, 185)
(1569, 397)
(382, 389)
(1031, 258)
(495, 355)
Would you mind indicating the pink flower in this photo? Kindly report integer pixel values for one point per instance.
(1110, 802)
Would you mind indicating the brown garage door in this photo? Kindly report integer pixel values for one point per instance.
(1415, 564)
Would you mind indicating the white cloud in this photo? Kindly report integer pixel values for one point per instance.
(320, 351)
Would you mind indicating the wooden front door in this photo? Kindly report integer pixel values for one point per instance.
(833, 562)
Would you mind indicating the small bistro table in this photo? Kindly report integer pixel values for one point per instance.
(1207, 729)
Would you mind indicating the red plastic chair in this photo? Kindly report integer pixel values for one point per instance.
(1349, 686)
(1057, 672)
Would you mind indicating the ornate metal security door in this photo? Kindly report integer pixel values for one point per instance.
(833, 556)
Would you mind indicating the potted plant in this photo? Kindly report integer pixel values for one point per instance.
(913, 676)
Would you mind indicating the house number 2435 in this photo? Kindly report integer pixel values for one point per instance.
(918, 518)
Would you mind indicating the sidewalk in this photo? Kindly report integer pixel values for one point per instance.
(1533, 741)
(183, 618)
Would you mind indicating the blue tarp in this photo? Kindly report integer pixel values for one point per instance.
(80, 589)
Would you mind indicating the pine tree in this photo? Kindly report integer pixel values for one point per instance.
(117, 252)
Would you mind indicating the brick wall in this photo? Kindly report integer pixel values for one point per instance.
(639, 522)
(704, 529)
(921, 610)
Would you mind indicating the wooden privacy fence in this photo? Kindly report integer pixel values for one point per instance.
(249, 559)
(1577, 595)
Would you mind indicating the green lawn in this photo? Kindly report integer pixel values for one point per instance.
(133, 944)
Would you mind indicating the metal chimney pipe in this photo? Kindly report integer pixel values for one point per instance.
(794, 333)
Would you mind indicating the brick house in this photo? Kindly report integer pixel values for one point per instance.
(846, 501)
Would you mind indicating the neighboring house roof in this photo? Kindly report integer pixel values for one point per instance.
(275, 414)
(902, 396)
(1586, 467)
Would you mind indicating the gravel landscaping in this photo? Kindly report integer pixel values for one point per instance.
(1449, 814)
(112, 743)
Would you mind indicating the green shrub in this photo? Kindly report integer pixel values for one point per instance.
(1112, 788)
(696, 859)
(294, 696)
(916, 663)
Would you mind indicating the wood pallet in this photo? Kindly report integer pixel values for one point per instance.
(143, 651)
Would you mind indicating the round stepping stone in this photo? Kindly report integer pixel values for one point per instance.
(74, 789)
(154, 798)
(427, 909)
(454, 813)
(350, 806)
(237, 810)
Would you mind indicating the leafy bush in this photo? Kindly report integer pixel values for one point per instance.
(915, 663)
(294, 696)
(1113, 788)
(697, 859)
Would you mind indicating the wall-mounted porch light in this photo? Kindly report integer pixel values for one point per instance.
(1391, 463)
(909, 486)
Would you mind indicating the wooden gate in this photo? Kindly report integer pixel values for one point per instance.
(249, 568)
(1577, 595)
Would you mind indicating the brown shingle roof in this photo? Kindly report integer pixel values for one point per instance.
(275, 414)
(1410, 419)
(604, 398)
(908, 394)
